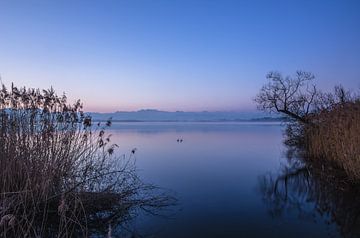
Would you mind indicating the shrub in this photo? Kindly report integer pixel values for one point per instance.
(59, 173)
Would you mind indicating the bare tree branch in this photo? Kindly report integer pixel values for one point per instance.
(291, 96)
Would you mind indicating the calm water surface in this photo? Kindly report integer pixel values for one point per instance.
(214, 174)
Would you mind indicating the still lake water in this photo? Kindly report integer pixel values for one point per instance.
(214, 174)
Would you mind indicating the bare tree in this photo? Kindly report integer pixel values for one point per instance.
(325, 101)
(292, 96)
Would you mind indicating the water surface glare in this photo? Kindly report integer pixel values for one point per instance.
(215, 174)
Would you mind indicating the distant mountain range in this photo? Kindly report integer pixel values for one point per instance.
(152, 115)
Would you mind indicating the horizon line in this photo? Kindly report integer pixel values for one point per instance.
(175, 111)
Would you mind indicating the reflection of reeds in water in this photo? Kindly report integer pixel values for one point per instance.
(312, 191)
(335, 136)
(59, 176)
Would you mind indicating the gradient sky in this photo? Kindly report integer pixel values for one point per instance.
(176, 55)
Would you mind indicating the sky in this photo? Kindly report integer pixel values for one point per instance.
(176, 55)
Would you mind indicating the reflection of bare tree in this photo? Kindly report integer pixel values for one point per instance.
(310, 191)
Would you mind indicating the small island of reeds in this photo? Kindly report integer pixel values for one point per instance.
(324, 126)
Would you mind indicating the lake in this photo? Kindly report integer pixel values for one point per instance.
(215, 173)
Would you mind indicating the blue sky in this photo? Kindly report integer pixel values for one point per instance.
(176, 55)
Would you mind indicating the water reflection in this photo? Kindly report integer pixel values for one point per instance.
(311, 191)
(94, 214)
(214, 173)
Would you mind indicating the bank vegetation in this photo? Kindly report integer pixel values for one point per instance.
(59, 173)
(325, 126)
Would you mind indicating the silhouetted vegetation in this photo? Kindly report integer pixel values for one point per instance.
(325, 125)
(292, 97)
(59, 174)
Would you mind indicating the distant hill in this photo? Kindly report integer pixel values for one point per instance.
(152, 115)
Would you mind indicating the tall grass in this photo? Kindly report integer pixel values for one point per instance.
(334, 136)
(59, 176)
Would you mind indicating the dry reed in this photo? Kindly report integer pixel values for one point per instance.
(59, 176)
(334, 136)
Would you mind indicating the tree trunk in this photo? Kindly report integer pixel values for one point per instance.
(294, 116)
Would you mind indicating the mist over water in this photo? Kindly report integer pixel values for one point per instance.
(215, 172)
